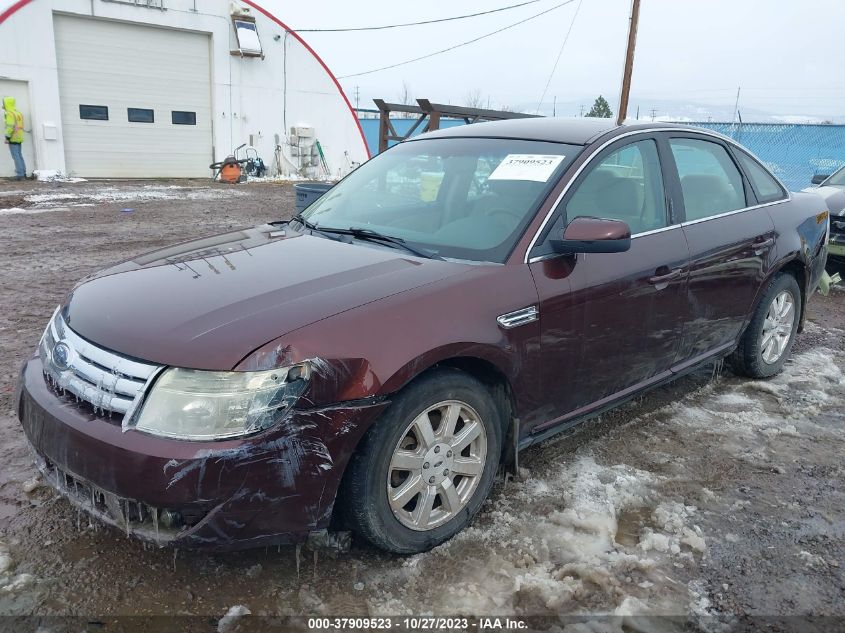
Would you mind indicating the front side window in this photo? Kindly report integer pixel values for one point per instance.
(463, 198)
(710, 181)
(768, 189)
(625, 185)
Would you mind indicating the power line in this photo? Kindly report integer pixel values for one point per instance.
(451, 48)
(396, 26)
(559, 53)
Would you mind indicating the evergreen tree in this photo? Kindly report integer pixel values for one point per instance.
(600, 109)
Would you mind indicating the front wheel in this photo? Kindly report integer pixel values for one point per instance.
(424, 469)
(768, 340)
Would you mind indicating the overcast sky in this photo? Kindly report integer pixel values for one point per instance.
(787, 55)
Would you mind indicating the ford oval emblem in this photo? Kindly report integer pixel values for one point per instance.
(61, 355)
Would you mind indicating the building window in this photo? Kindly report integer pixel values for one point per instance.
(184, 118)
(247, 33)
(94, 112)
(140, 115)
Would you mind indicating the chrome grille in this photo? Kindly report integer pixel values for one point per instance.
(111, 383)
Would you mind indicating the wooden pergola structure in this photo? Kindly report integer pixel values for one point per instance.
(429, 116)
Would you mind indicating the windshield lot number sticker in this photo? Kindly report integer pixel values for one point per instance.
(537, 167)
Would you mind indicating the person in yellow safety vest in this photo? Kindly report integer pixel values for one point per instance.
(14, 135)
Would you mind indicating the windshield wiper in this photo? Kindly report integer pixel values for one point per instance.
(375, 236)
(315, 229)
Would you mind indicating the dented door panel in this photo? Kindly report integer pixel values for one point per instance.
(610, 321)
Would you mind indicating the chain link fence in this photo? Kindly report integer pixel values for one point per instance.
(794, 152)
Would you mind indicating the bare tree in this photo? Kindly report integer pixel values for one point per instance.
(473, 99)
(405, 97)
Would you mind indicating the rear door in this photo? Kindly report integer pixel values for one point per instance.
(730, 237)
(611, 322)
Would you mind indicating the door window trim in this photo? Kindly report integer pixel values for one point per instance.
(606, 149)
(738, 152)
(749, 195)
(527, 259)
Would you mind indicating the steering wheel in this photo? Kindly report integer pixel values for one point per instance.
(503, 211)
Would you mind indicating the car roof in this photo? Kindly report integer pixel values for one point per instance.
(571, 130)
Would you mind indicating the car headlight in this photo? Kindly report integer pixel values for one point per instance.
(192, 404)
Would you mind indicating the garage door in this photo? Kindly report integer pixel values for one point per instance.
(20, 91)
(136, 100)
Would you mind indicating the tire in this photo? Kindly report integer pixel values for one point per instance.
(754, 358)
(376, 469)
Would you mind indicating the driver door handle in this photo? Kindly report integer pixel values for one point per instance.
(663, 278)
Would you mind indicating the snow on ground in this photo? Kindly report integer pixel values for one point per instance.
(34, 201)
(131, 194)
(588, 535)
(564, 542)
(12, 583)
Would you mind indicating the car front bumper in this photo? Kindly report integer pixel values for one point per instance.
(274, 487)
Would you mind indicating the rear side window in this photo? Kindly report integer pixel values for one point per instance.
(626, 185)
(710, 181)
(768, 189)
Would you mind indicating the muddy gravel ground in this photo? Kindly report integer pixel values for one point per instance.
(717, 500)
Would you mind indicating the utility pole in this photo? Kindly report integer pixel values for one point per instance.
(736, 105)
(629, 62)
(554, 106)
(582, 110)
(653, 113)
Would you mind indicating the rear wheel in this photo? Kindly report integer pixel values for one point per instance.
(425, 468)
(767, 342)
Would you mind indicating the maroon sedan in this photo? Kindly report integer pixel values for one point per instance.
(368, 365)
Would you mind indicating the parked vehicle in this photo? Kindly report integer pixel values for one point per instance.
(369, 364)
(832, 189)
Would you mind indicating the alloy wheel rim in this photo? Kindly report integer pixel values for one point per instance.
(777, 327)
(436, 465)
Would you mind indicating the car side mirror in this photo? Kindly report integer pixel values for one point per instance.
(819, 178)
(593, 235)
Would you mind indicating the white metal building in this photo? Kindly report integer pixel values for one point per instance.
(163, 88)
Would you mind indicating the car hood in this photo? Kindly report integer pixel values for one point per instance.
(206, 304)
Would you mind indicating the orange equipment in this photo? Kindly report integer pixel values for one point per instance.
(229, 170)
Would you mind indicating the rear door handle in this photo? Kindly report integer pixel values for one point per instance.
(665, 278)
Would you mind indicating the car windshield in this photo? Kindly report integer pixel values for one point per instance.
(837, 179)
(460, 198)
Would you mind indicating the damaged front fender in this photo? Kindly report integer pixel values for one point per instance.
(275, 487)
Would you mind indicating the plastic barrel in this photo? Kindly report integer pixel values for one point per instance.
(309, 192)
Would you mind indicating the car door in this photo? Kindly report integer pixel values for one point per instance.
(729, 237)
(610, 323)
